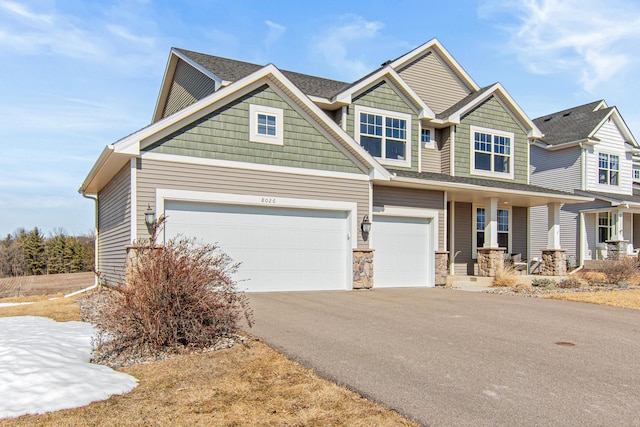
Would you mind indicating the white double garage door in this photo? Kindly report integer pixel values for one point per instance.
(298, 249)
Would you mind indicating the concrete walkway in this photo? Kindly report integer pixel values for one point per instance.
(444, 357)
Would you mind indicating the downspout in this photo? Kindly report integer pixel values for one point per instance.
(96, 234)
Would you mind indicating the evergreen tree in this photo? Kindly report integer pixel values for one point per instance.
(33, 249)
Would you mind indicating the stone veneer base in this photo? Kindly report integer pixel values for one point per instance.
(362, 268)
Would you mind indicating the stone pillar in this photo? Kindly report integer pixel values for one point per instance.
(362, 268)
(616, 248)
(554, 262)
(490, 260)
(442, 267)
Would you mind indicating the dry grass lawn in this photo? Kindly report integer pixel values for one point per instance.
(245, 385)
(50, 284)
(623, 299)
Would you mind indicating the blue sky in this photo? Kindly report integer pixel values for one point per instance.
(78, 75)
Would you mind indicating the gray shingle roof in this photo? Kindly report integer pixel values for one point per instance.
(570, 125)
(464, 101)
(232, 70)
(480, 182)
(620, 198)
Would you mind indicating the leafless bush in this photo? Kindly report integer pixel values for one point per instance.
(505, 277)
(620, 270)
(180, 295)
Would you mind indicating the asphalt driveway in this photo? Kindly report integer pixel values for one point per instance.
(446, 357)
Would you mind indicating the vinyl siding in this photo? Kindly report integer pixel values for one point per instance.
(559, 170)
(611, 142)
(188, 86)
(491, 114)
(154, 174)
(224, 135)
(408, 197)
(636, 231)
(445, 155)
(385, 97)
(519, 230)
(434, 82)
(463, 243)
(437, 159)
(114, 220)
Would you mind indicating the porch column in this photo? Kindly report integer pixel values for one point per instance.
(491, 223)
(617, 246)
(553, 226)
(618, 225)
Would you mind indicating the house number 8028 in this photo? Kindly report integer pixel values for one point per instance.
(269, 200)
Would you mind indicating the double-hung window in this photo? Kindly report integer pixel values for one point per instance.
(608, 169)
(384, 134)
(503, 228)
(491, 152)
(604, 226)
(636, 173)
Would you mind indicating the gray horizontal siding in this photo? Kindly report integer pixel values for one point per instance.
(434, 82)
(114, 221)
(559, 170)
(520, 218)
(153, 174)
(188, 86)
(413, 198)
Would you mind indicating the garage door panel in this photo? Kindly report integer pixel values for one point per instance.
(279, 248)
(402, 247)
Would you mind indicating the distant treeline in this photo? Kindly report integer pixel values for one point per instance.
(27, 253)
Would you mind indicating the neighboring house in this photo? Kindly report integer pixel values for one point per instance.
(285, 170)
(589, 150)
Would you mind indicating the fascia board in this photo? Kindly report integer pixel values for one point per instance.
(169, 72)
(198, 67)
(435, 45)
(102, 159)
(620, 123)
(613, 201)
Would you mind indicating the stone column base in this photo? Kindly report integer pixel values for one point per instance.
(554, 262)
(490, 261)
(362, 268)
(616, 249)
(442, 267)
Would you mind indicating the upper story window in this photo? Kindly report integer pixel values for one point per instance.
(608, 169)
(265, 124)
(385, 135)
(427, 137)
(491, 152)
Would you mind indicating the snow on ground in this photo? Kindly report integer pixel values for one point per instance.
(11, 304)
(44, 366)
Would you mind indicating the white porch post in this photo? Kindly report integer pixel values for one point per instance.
(618, 225)
(491, 223)
(553, 226)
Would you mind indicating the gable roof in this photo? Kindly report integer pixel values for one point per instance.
(116, 155)
(572, 124)
(230, 70)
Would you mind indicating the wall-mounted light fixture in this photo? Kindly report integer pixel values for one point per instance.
(365, 226)
(149, 217)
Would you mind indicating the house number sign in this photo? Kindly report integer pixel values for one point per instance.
(269, 200)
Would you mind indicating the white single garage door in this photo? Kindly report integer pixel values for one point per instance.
(280, 249)
(402, 251)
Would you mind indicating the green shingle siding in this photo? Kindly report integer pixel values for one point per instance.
(224, 135)
(491, 114)
(385, 97)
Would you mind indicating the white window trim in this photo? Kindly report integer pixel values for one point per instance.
(385, 113)
(254, 136)
(610, 226)
(430, 144)
(472, 157)
(474, 237)
(635, 169)
(609, 154)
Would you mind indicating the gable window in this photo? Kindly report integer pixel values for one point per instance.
(503, 228)
(265, 124)
(608, 169)
(384, 134)
(491, 152)
(604, 226)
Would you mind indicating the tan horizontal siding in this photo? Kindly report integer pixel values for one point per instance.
(463, 243)
(114, 220)
(188, 86)
(413, 198)
(519, 232)
(434, 82)
(154, 174)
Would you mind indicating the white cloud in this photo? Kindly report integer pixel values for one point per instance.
(275, 32)
(593, 40)
(340, 46)
(23, 12)
(125, 34)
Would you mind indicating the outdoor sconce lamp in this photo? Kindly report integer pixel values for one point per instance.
(149, 217)
(365, 226)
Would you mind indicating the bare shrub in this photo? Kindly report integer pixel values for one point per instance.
(570, 283)
(177, 296)
(619, 270)
(505, 277)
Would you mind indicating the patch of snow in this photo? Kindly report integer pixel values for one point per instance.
(44, 366)
(12, 304)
